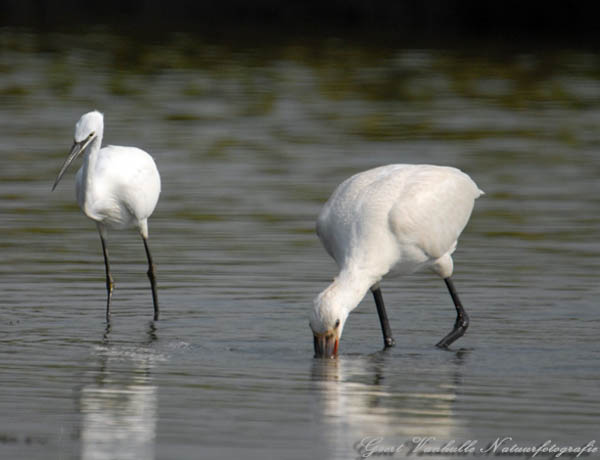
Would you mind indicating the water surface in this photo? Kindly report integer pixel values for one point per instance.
(250, 141)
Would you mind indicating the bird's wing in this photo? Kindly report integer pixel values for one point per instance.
(432, 209)
(131, 178)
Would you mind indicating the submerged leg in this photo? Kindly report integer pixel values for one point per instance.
(152, 276)
(388, 340)
(109, 279)
(462, 319)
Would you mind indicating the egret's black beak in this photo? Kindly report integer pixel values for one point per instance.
(326, 345)
(76, 150)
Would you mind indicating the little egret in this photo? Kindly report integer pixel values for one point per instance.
(117, 187)
(394, 219)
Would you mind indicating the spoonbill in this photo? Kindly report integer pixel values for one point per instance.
(394, 219)
(117, 187)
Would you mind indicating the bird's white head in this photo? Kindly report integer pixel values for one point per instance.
(89, 128)
(89, 125)
(327, 320)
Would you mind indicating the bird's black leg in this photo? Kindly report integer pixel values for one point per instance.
(462, 319)
(388, 340)
(152, 276)
(109, 279)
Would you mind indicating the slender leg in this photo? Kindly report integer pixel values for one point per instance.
(152, 276)
(388, 340)
(462, 319)
(109, 279)
(106, 335)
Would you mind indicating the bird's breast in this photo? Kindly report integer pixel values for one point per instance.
(102, 204)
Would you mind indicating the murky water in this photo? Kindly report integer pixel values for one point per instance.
(250, 141)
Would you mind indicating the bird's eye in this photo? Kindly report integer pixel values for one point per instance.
(91, 134)
(337, 324)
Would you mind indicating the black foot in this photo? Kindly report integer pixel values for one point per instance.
(460, 327)
(389, 342)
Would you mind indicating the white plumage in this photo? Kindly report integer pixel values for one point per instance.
(117, 187)
(394, 219)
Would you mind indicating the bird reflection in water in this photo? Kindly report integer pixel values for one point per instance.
(367, 397)
(119, 407)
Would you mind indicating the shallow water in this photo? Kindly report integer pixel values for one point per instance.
(250, 141)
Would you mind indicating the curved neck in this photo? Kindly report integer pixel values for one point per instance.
(89, 164)
(349, 288)
(91, 151)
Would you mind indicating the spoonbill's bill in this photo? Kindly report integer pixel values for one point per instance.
(394, 219)
(117, 187)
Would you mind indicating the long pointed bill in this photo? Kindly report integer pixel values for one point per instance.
(76, 150)
(326, 345)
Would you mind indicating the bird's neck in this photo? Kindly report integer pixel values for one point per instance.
(349, 288)
(91, 154)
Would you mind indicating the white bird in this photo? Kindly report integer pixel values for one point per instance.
(394, 219)
(117, 187)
